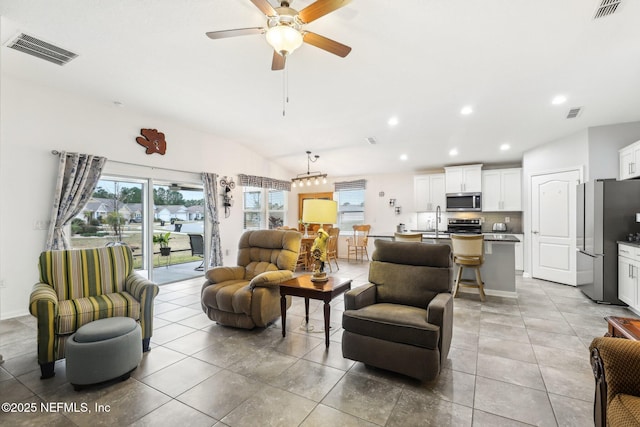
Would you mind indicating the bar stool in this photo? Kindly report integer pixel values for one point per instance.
(407, 237)
(468, 252)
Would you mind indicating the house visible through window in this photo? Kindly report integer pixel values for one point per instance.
(261, 215)
(350, 196)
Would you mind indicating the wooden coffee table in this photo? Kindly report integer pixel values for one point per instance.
(623, 327)
(302, 286)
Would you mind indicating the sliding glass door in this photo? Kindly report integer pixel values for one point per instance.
(114, 215)
(147, 214)
(178, 217)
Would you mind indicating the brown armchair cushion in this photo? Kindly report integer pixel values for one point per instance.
(624, 410)
(393, 322)
(621, 361)
(410, 273)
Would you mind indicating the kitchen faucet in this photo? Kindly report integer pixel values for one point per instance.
(438, 219)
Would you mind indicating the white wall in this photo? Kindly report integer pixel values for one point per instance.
(604, 143)
(35, 120)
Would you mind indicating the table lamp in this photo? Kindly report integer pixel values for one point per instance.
(319, 211)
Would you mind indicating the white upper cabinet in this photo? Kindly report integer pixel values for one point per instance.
(429, 192)
(463, 179)
(502, 190)
(629, 161)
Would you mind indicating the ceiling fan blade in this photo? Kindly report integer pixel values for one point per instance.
(324, 43)
(265, 7)
(234, 33)
(319, 9)
(278, 61)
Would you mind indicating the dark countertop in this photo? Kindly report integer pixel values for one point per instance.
(624, 242)
(488, 237)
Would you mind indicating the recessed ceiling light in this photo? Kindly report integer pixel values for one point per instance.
(404, 157)
(393, 121)
(559, 99)
(453, 152)
(505, 147)
(466, 110)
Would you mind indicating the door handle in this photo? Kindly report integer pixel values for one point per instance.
(534, 232)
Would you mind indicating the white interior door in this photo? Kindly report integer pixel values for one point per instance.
(553, 226)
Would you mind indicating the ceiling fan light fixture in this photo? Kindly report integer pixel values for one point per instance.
(284, 38)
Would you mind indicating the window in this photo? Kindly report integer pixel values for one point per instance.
(350, 196)
(277, 208)
(260, 215)
(350, 208)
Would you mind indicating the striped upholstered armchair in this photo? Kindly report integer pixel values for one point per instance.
(82, 285)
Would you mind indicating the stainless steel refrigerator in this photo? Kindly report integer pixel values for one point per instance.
(606, 214)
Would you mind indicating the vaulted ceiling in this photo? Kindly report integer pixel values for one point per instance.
(420, 61)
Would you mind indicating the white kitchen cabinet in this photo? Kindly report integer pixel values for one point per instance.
(463, 179)
(629, 161)
(519, 248)
(429, 192)
(502, 190)
(628, 268)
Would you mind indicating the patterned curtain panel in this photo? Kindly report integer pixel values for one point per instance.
(359, 184)
(78, 175)
(263, 182)
(211, 204)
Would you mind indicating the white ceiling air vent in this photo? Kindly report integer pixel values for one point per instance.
(606, 8)
(574, 112)
(371, 140)
(41, 49)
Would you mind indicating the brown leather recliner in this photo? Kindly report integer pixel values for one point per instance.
(616, 367)
(402, 320)
(248, 295)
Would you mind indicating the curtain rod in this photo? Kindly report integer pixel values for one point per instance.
(56, 152)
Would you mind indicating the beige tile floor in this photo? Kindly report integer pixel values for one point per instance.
(513, 362)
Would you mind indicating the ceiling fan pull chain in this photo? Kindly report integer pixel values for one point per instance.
(284, 93)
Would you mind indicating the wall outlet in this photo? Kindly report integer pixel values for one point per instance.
(226, 252)
(2, 284)
(481, 220)
(507, 220)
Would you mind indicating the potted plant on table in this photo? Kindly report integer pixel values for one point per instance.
(163, 241)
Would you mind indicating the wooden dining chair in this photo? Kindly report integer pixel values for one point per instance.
(332, 248)
(303, 256)
(358, 243)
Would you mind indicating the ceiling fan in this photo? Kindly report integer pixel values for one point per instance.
(285, 29)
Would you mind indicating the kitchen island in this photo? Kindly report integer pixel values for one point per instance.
(498, 271)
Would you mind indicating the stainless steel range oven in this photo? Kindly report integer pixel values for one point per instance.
(464, 226)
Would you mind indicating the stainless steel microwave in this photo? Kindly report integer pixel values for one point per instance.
(464, 202)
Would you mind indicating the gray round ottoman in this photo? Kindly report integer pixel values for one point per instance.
(103, 350)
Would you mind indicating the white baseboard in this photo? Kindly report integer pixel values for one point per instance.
(15, 313)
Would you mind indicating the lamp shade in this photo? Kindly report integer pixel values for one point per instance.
(284, 39)
(319, 211)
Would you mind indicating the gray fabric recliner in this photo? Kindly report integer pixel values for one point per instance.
(248, 295)
(402, 320)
